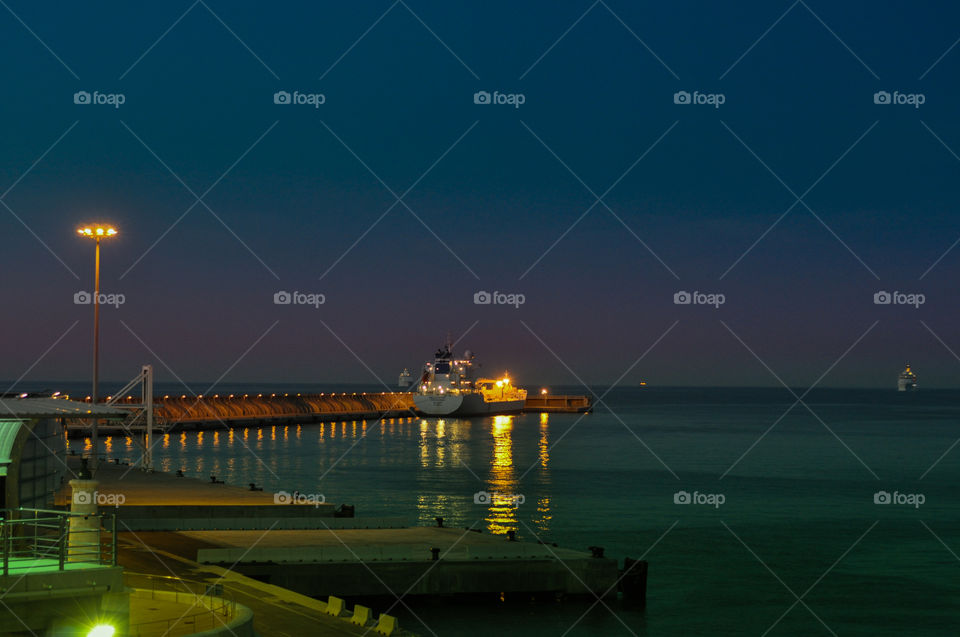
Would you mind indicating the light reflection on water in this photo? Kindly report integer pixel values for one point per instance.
(413, 468)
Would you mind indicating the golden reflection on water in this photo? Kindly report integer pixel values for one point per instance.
(216, 439)
(108, 444)
(166, 441)
(424, 447)
(544, 446)
(542, 518)
(502, 514)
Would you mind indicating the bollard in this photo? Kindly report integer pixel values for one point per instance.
(633, 580)
(436, 554)
(439, 522)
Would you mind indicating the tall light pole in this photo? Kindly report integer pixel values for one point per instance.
(96, 232)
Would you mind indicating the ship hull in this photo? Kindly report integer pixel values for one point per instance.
(906, 385)
(463, 405)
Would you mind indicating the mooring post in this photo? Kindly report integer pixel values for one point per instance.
(633, 580)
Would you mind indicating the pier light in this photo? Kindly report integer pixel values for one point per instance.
(97, 232)
(543, 391)
(499, 383)
(102, 630)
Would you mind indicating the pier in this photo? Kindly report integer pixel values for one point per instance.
(176, 413)
(319, 550)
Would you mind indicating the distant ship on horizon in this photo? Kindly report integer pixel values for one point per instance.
(907, 381)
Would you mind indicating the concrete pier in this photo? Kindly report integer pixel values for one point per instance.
(156, 501)
(418, 560)
(175, 413)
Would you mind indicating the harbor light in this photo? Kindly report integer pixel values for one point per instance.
(543, 391)
(96, 232)
(102, 630)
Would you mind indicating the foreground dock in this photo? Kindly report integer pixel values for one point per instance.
(319, 550)
(417, 560)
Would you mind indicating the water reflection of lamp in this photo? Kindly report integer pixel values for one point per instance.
(502, 514)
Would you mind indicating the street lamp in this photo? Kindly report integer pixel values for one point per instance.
(96, 232)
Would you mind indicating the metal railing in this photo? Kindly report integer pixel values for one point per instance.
(36, 539)
(214, 608)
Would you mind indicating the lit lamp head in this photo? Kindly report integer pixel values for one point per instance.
(97, 231)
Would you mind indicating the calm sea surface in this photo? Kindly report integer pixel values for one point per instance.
(798, 517)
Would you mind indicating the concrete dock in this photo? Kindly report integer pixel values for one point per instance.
(175, 413)
(310, 550)
(156, 501)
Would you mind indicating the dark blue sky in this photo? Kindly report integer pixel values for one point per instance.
(201, 97)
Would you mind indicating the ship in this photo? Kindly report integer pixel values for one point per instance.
(447, 387)
(406, 379)
(907, 381)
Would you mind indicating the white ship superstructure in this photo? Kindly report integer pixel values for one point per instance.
(447, 387)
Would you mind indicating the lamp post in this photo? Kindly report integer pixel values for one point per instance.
(96, 232)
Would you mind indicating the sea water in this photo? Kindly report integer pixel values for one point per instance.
(838, 514)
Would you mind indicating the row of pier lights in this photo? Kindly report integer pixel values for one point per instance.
(231, 396)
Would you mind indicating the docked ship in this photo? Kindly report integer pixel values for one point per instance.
(907, 381)
(406, 379)
(448, 388)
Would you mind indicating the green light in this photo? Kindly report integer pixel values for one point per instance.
(102, 630)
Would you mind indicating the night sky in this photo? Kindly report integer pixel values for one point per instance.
(494, 197)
